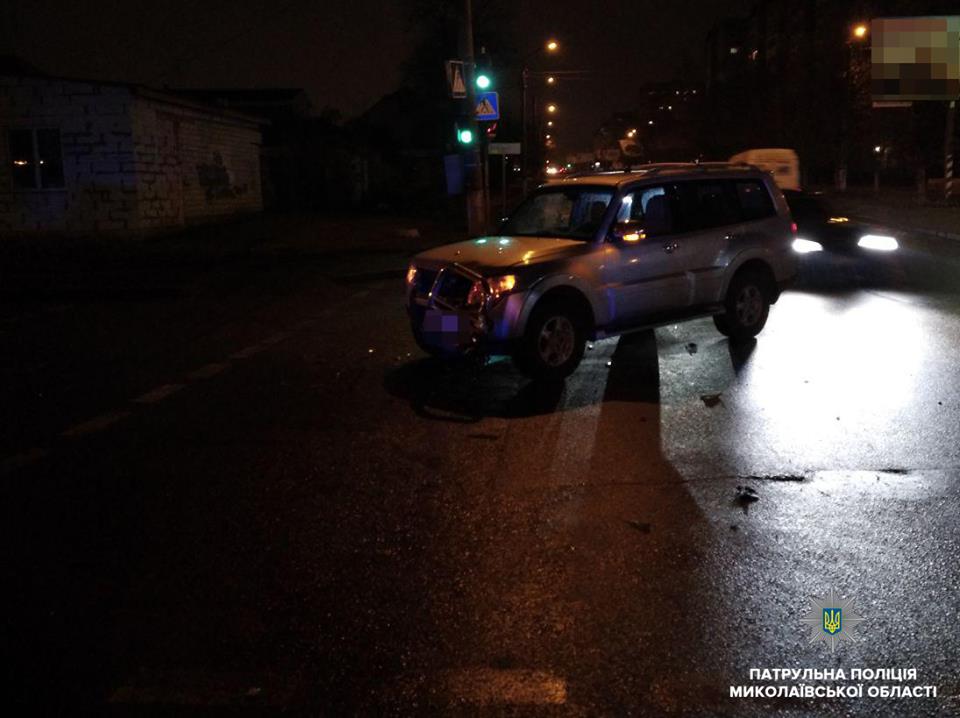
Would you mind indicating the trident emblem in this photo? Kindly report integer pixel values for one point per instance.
(832, 620)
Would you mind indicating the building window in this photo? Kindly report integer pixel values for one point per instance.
(37, 161)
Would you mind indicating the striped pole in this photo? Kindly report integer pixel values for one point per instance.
(948, 152)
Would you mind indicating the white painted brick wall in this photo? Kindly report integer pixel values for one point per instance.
(132, 161)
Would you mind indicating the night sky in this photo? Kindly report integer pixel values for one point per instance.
(347, 54)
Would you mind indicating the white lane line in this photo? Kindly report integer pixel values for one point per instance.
(98, 423)
(495, 686)
(158, 394)
(19, 461)
(276, 338)
(248, 351)
(205, 372)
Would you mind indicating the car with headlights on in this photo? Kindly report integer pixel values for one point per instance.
(590, 256)
(820, 228)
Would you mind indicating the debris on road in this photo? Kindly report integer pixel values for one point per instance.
(691, 348)
(746, 495)
(711, 400)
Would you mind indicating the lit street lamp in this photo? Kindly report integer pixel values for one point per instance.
(551, 46)
(860, 31)
(551, 108)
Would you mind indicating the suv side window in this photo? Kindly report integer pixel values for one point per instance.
(709, 203)
(754, 199)
(654, 206)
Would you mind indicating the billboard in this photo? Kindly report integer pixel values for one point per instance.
(915, 58)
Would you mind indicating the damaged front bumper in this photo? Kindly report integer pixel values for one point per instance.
(454, 315)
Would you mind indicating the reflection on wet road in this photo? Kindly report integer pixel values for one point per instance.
(331, 523)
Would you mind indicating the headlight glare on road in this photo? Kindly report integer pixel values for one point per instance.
(411, 274)
(501, 285)
(878, 242)
(805, 246)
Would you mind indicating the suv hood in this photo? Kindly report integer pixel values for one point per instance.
(497, 252)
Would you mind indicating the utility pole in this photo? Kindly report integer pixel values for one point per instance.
(524, 134)
(474, 170)
(948, 151)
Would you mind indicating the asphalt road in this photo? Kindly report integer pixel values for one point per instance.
(243, 491)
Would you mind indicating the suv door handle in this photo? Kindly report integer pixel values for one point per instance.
(670, 247)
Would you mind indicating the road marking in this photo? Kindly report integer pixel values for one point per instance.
(98, 423)
(248, 351)
(205, 372)
(495, 686)
(225, 690)
(158, 394)
(19, 461)
(276, 338)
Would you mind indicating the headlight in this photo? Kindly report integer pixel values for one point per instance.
(805, 246)
(477, 295)
(411, 274)
(501, 285)
(878, 242)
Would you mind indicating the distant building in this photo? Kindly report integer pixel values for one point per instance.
(81, 156)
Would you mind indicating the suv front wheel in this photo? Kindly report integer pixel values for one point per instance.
(747, 306)
(553, 343)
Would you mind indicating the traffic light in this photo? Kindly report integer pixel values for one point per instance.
(464, 135)
(484, 76)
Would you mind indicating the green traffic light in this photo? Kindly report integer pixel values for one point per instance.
(465, 137)
(483, 81)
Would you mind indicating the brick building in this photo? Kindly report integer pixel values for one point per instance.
(82, 157)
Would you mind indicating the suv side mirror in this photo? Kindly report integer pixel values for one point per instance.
(629, 232)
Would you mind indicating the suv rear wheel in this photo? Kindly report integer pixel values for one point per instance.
(553, 343)
(747, 306)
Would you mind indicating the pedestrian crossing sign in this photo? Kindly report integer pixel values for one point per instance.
(458, 88)
(488, 107)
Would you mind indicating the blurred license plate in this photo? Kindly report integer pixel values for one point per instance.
(439, 322)
(447, 331)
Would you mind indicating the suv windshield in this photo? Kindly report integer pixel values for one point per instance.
(568, 212)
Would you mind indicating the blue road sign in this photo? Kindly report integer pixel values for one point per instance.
(488, 106)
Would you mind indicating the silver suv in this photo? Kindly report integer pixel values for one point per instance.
(593, 256)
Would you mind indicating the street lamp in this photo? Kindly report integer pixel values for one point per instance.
(551, 80)
(551, 108)
(860, 31)
(551, 46)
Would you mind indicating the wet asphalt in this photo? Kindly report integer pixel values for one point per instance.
(250, 494)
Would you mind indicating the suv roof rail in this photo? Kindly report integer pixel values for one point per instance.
(656, 167)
